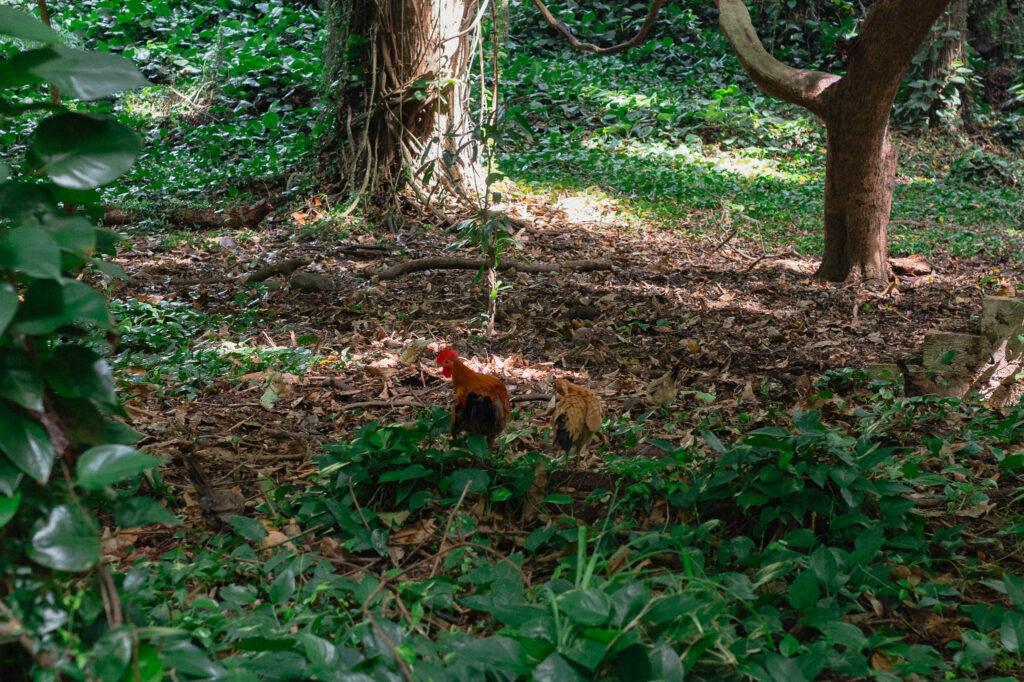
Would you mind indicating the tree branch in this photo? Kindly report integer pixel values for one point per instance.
(559, 26)
(797, 86)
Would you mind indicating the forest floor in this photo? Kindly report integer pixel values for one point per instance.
(765, 327)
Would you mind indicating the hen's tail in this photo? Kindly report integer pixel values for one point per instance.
(562, 436)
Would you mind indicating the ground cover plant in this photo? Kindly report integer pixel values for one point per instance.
(765, 500)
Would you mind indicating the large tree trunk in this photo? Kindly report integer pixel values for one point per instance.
(860, 172)
(860, 165)
(399, 69)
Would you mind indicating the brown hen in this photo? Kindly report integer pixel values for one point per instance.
(576, 417)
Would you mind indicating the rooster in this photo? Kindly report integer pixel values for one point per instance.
(576, 417)
(481, 401)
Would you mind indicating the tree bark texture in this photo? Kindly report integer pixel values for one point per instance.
(860, 166)
(398, 69)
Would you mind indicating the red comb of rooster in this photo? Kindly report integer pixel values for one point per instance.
(445, 354)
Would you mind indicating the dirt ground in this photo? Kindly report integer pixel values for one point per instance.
(761, 327)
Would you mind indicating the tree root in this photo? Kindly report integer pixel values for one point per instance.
(453, 263)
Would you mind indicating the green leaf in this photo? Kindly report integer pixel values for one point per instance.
(82, 151)
(31, 251)
(9, 507)
(112, 652)
(782, 669)
(29, 205)
(105, 465)
(50, 304)
(189, 661)
(10, 477)
(77, 372)
(142, 511)
(555, 668)
(283, 587)
(804, 591)
(66, 540)
(26, 444)
(20, 382)
(845, 634)
(250, 529)
(151, 665)
(80, 74)
(1014, 589)
(474, 481)
(8, 306)
(73, 234)
(24, 26)
(321, 653)
(271, 119)
(587, 607)
(1011, 631)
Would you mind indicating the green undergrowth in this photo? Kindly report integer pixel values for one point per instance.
(797, 548)
(182, 351)
(673, 126)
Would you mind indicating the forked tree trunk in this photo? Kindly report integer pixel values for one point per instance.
(860, 168)
(399, 69)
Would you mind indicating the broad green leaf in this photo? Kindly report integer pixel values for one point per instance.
(1014, 589)
(82, 151)
(1011, 631)
(108, 464)
(50, 304)
(112, 652)
(77, 372)
(151, 665)
(86, 75)
(555, 668)
(250, 529)
(665, 663)
(804, 591)
(10, 477)
(320, 652)
(29, 204)
(24, 26)
(473, 481)
(66, 540)
(142, 511)
(283, 587)
(259, 643)
(20, 382)
(26, 444)
(587, 607)
(845, 634)
(73, 234)
(188, 660)
(8, 306)
(83, 303)
(9, 507)
(782, 669)
(31, 251)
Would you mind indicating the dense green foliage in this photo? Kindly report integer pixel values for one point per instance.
(63, 454)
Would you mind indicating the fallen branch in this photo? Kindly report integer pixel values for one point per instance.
(231, 218)
(453, 263)
(283, 268)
